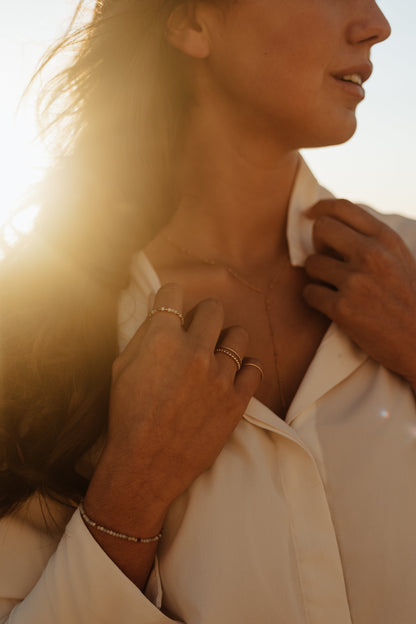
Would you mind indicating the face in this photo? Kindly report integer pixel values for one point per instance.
(293, 67)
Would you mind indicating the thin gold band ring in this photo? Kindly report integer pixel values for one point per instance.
(259, 368)
(169, 310)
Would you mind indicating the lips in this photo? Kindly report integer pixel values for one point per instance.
(355, 74)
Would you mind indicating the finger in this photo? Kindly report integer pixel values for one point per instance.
(321, 298)
(350, 214)
(169, 296)
(235, 341)
(167, 307)
(207, 319)
(328, 270)
(249, 378)
(130, 351)
(330, 234)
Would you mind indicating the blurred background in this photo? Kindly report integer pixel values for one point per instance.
(376, 167)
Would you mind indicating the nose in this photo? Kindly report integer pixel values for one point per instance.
(370, 25)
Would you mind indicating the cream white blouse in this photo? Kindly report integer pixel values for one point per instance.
(311, 520)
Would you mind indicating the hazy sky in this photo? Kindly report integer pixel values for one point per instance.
(378, 166)
(375, 167)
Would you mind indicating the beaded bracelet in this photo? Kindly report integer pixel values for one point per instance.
(103, 529)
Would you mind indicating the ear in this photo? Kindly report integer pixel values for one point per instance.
(186, 30)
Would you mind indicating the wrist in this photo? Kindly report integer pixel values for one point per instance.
(120, 521)
(95, 526)
(128, 510)
(124, 504)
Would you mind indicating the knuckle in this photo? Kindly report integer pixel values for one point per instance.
(200, 358)
(170, 288)
(355, 282)
(312, 263)
(212, 305)
(308, 293)
(240, 333)
(163, 339)
(310, 260)
(320, 222)
(370, 255)
(343, 206)
(212, 301)
(308, 263)
(323, 205)
(343, 309)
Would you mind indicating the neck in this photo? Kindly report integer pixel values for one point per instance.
(234, 193)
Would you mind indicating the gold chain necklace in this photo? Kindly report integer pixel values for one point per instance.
(266, 299)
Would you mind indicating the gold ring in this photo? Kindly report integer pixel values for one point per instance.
(169, 310)
(231, 353)
(234, 352)
(259, 368)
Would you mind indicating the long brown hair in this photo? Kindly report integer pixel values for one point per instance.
(119, 105)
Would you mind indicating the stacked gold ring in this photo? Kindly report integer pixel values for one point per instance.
(259, 368)
(232, 354)
(169, 310)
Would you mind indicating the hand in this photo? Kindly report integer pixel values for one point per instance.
(174, 403)
(364, 279)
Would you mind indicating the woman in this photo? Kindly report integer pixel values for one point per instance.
(258, 460)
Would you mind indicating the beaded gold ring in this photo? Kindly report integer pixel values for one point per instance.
(169, 310)
(231, 354)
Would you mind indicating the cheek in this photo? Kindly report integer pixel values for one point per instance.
(277, 62)
(296, 58)
(290, 78)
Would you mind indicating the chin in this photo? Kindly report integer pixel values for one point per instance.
(333, 134)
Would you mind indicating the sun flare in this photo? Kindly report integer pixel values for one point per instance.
(25, 35)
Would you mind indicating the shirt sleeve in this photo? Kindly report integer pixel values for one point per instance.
(79, 585)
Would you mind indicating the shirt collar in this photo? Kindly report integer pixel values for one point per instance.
(337, 356)
(306, 192)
